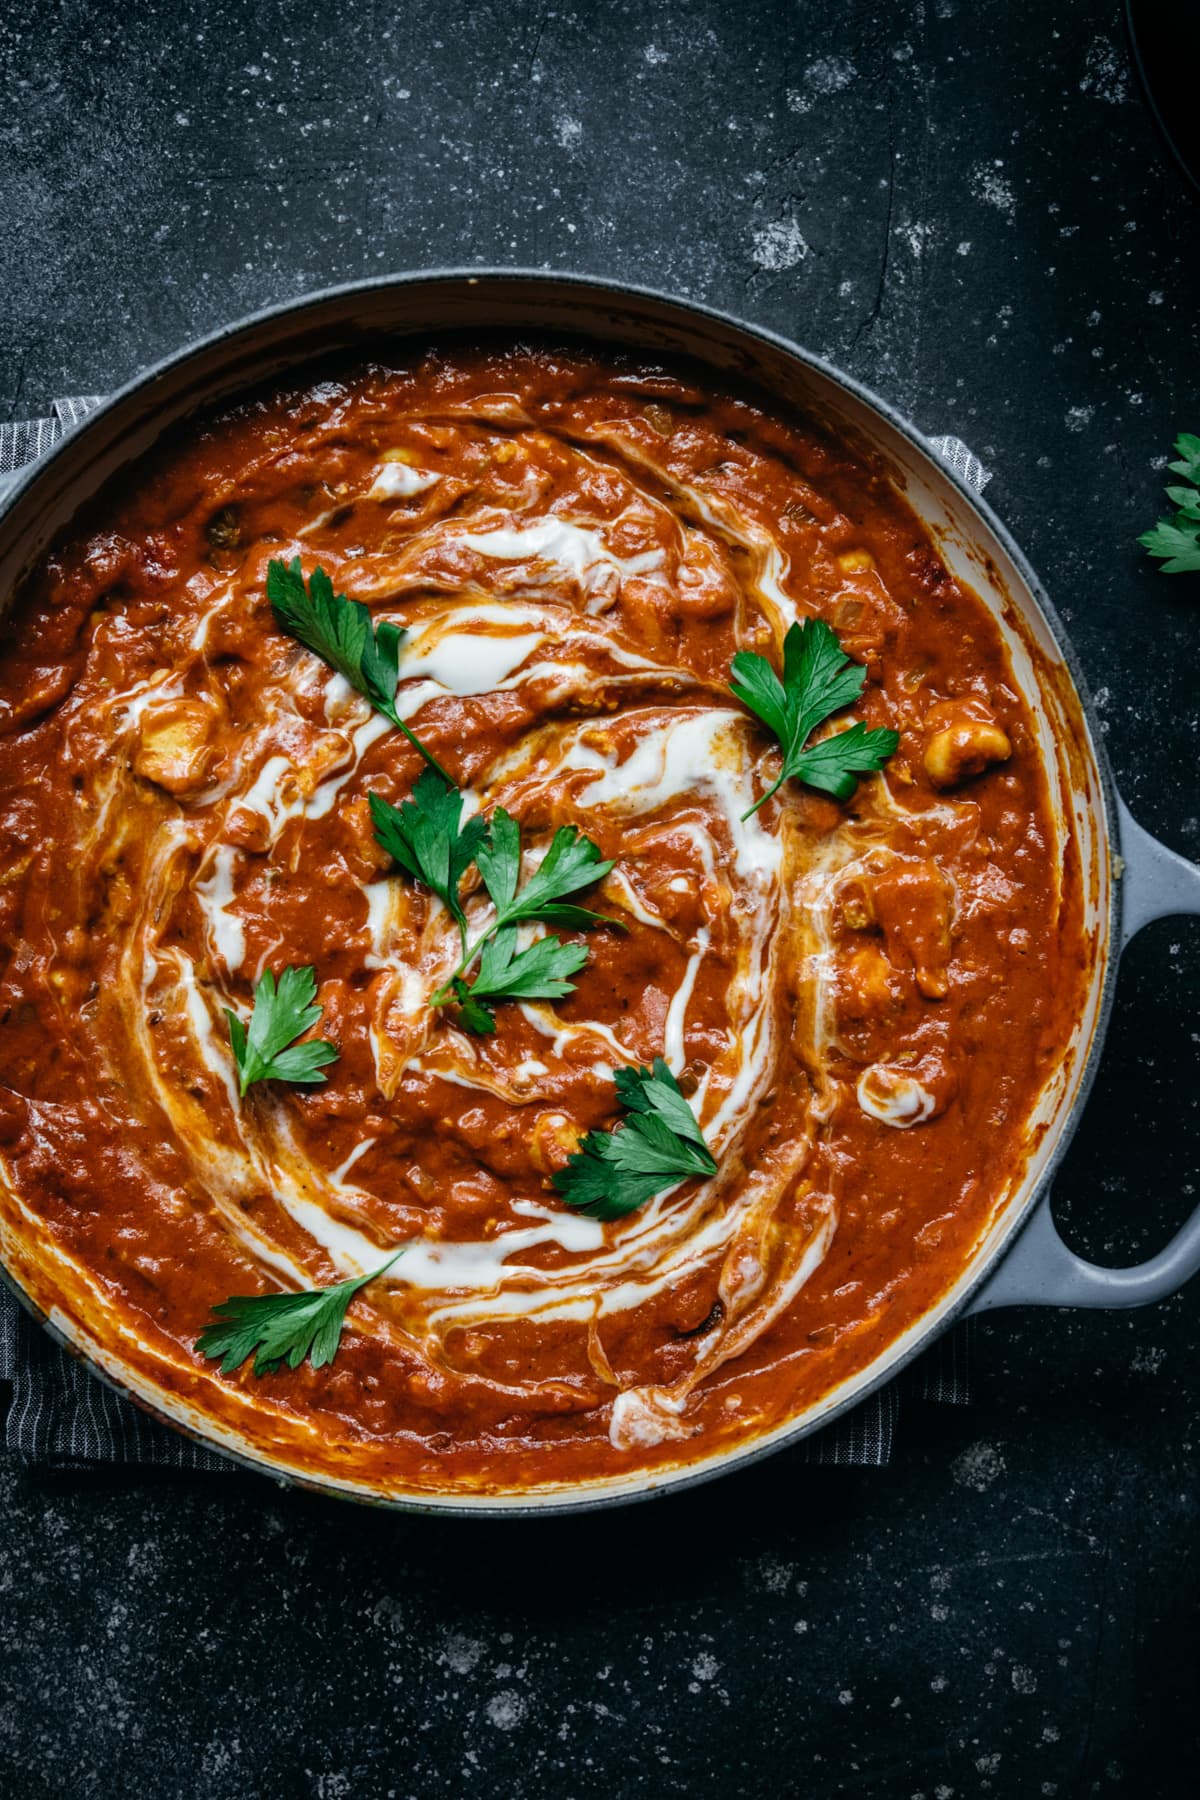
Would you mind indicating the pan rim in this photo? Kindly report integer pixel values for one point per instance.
(654, 1484)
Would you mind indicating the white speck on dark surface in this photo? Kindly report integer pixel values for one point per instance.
(978, 1467)
(990, 184)
(1106, 74)
(506, 1709)
(463, 1654)
(780, 245)
(827, 75)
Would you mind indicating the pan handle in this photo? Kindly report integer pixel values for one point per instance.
(1040, 1270)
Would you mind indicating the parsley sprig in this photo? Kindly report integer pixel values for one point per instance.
(342, 633)
(819, 679)
(539, 972)
(1176, 541)
(657, 1145)
(282, 1328)
(427, 837)
(283, 1011)
(542, 970)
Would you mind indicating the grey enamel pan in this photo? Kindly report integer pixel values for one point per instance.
(1129, 878)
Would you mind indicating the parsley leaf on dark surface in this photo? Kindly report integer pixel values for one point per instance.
(425, 837)
(282, 1328)
(342, 633)
(819, 679)
(1175, 542)
(657, 1145)
(282, 1012)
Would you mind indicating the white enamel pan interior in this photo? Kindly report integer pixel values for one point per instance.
(1128, 878)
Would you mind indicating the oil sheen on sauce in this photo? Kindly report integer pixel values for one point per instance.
(862, 1001)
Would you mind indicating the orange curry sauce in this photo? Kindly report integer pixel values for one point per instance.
(862, 1000)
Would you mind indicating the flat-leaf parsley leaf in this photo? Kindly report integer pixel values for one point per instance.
(282, 1328)
(657, 1145)
(342, 633)
(1176, 541)
(425, 837)
(283, 1011)
(819, 679)
(537, 972)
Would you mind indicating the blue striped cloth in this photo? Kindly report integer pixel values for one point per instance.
(61, 1415)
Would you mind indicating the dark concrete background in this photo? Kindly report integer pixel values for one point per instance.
(966, 206)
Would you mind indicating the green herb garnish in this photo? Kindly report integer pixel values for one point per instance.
(1176, 541)
(342, 633)
(541, 971)
(818, 680)
(281, 1014)
(660, 1143)
(282, 1328)
(426, 838)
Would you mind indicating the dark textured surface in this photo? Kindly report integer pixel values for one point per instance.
(966, 206)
